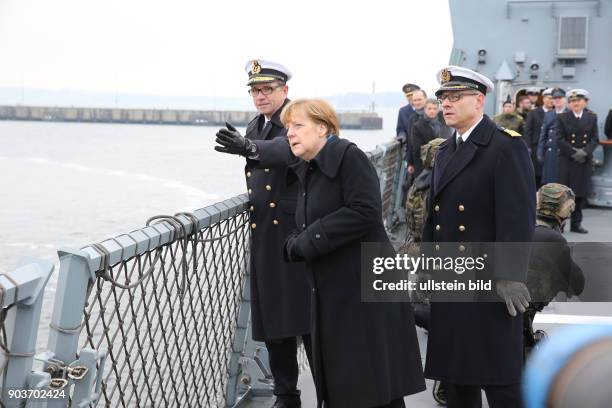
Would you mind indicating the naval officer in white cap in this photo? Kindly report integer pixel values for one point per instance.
(577, 137)
(482, 190)
(280, 293)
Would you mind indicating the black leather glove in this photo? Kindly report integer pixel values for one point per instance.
(515, 294)
(233, 142)
(579, 155)
(292, 252)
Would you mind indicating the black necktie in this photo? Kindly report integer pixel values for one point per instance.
(459, 141)
(266, 128)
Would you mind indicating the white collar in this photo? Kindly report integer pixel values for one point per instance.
(578, 115)
(468, 132)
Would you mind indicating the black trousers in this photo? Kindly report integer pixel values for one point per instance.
(284, 366)
(469, 396)
(577, 214)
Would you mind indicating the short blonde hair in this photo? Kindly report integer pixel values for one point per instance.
(318, 110)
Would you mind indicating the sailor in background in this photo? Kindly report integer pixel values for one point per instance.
(577, 138)
(531, 130)
(402, 132)
(533, 93)
(523, 108)
(280, 293)
(405, 112)
(508, 118)
(482, 190)
(547, 150)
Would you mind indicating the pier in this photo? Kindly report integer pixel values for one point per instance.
(348, 120)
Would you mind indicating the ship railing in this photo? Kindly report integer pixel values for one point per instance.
(156, 317)
(21, 298)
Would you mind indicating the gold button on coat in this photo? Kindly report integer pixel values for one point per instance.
(437, 247)
(461, 228)
(272, 205)
(438, 227)
(251, 208)
(461, 248)
(253, 225)
(250, 191)
(248, 174)
(437, 208)
(266, 170)
(461, 207)
(268, 187)
(275, 222)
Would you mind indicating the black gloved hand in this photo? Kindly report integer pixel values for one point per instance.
(233, 142)
(579, 155)
(515, 294)
(292, 252)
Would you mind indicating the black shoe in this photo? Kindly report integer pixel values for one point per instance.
(579, 229)
(439, 392)
(283, 403)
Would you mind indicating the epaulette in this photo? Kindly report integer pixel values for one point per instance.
(509, 131)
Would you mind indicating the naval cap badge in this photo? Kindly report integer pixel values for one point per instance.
(445, 76)
(256, 68)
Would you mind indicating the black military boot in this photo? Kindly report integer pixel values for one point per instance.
(579, 229)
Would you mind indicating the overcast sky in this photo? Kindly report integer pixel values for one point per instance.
(189, 47)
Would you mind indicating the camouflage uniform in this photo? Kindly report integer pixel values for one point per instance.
(510, 121)
(551, 268)
(416, 207)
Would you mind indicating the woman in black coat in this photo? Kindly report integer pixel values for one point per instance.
(364, 354)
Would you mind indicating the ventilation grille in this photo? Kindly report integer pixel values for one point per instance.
(573, 40)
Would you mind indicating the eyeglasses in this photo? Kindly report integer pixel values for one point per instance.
(266, 90)
(454, 97)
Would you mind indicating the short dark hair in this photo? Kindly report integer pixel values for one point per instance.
(507, 103)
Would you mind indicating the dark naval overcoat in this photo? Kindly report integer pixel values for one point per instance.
(483, 191)
(365, 354)
(580, 134)
(531, 135)
(280, 293)
(548, 149)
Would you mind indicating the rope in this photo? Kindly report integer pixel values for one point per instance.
(177, 227)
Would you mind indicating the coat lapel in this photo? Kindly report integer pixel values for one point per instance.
(445, 152)
(457, 162)
(454, 162)
(265, 132)
(275, 122)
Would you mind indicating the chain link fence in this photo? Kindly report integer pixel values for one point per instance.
(169, 333)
